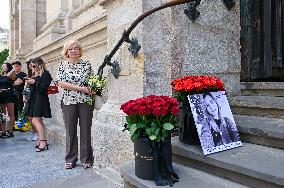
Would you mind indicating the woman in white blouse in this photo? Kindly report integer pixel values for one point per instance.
(72, 77)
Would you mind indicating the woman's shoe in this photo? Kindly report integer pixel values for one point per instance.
(37, 146)
(2, 134)
(87, 165)
(70, 165)
(45, 147)
(7, 134)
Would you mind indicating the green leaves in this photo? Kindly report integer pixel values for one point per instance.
(155, 128)
(168, 126)
(3, 56)
(132, 128)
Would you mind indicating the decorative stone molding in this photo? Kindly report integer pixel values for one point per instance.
(93, 26)
(54, 20)
(83, 8)
(105, 2)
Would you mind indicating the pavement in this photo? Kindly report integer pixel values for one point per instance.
(21, 166)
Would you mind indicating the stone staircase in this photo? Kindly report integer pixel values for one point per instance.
(259, 115)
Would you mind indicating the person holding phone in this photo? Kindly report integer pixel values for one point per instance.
(18, 88)
(38, 103)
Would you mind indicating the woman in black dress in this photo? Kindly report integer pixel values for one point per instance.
(38, 103)
(7, 98)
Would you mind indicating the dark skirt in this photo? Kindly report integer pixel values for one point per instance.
(7, 97)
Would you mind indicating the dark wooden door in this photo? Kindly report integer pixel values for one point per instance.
(262, 40)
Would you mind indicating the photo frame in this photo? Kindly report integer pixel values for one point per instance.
(214, 121)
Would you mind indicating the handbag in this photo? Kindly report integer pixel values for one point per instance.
(52, 89)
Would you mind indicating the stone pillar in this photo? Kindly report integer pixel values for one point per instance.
(11, 34)
(40, 15)
(14, 30)
(157, 49)
(27, 29)
(210, 45)
(53, 8)
(112, 147)
(54, 28)
(72, 6)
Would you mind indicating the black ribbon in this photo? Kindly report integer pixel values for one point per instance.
(163, 169)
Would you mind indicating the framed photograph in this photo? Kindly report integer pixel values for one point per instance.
(214, 121)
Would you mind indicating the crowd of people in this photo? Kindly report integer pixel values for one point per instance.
(19, 90)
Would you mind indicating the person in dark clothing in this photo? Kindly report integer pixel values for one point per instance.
(18, 88)
(38, 103)
(7, 98)
(26, 96)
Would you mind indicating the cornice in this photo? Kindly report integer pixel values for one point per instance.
(104, 3)
(83, 8)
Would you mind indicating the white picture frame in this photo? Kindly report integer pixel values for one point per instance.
(214, 121)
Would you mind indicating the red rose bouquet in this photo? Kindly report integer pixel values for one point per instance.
(191, 85)
(151, 116)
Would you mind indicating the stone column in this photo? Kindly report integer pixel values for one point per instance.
(27, 29)
(157, 49)
(40, 15)
(14, 30)
(112, 147)
(72, 6)
(210, 45)
(54, 28)
(11, 34)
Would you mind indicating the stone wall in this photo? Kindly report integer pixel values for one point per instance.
(92, 37)
(210, 45)
(172, 46)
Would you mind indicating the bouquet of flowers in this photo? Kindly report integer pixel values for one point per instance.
(96, 85)
(23, 123)
(151, 116)
(191, 85)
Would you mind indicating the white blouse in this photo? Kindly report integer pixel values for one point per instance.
(75, 74)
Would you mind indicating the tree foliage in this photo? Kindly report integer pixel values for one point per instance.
(3, 56)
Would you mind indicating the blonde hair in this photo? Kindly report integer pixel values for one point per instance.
(67, 46)
(40, 66)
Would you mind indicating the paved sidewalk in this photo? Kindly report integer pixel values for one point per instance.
(21, 166)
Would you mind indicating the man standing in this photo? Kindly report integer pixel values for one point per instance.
(18, 87)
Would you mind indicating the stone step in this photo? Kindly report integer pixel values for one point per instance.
(263, 88)
(268, 106)
(112, 175)
(252, 165)
(189, 177)
(86, 180)
(261, 130)
(55, 133)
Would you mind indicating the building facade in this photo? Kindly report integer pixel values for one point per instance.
(4, 39)
(172, 45)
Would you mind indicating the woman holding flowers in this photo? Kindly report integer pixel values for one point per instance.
(72, 77)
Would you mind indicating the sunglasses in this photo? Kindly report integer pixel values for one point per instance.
(33, 66)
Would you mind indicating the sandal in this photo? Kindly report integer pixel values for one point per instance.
(70, 165)
(87, 165)
(2, 134)
(45, 147)
(7, 134)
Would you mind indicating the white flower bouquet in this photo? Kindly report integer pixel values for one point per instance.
(96, 85)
